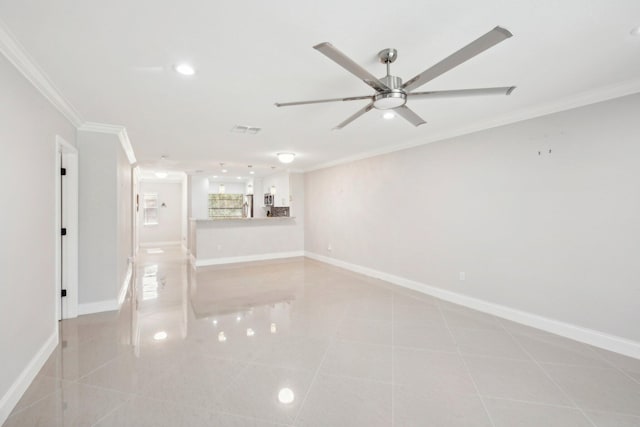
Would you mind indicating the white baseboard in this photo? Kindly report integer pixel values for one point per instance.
(98, 307)
(156, 244)
(247, 258)
(589, 336)
(20, 385)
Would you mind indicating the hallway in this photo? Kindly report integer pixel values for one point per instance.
(299, 343)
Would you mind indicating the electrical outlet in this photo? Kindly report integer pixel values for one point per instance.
(462, 275)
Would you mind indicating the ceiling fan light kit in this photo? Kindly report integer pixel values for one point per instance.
(392, 94)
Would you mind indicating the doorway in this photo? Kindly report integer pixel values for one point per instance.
(66, 229)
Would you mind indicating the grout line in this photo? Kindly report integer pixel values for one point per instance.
(531, 402)
(616, 367)
(112, 411)
(466, 366)
(539, 365)
(315, 375)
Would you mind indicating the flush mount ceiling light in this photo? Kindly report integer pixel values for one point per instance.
(388, 115)
(286, 157)
(185, 69)
(162, 174)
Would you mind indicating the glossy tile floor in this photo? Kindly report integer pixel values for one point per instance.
(300, 343)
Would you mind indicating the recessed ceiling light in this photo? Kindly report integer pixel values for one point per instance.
(215, 176)
(252, 172)
(239, 177)
(286, 157)
(224, 171)
(635, 31)
(389, 115)
(185, 69)
(162, 174)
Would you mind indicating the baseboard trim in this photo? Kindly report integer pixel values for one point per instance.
(247, 258)
(26, 377)
(98, 307)
(588, 336)
(156, 244)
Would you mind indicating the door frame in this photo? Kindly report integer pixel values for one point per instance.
(67, 262)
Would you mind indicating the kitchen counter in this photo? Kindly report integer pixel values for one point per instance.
(229, 240)
(242, 219)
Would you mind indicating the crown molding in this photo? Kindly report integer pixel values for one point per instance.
(119, 131)
(603, 94)
(17, 55)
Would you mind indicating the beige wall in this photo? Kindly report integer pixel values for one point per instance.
(28, 129)
(555, 234)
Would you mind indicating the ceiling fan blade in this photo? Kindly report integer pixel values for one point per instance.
(461, 92)
(409, 115)
(319, 101)
(360, 112)
(474, 48)
(348, 64)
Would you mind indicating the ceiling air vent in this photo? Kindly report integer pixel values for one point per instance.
(252, 130)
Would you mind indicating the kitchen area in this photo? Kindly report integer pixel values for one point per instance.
(236, 219)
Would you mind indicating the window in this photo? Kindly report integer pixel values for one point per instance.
(150, 208)
(225, 205)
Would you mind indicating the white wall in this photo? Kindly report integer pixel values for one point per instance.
(556, 234)
(28, 129)
(105, 220)
(169, 227)
(184, 212)
(124, 223)
(231, 187)
(199, 192)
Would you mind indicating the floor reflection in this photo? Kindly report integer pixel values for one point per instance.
(297, 343)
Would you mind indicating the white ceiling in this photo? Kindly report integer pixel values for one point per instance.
(113, 61)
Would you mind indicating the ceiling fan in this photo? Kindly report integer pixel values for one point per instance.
(392, 94)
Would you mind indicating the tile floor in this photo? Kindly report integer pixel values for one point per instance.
(300, 343)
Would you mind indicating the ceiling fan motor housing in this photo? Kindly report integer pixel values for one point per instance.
(394, 98)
